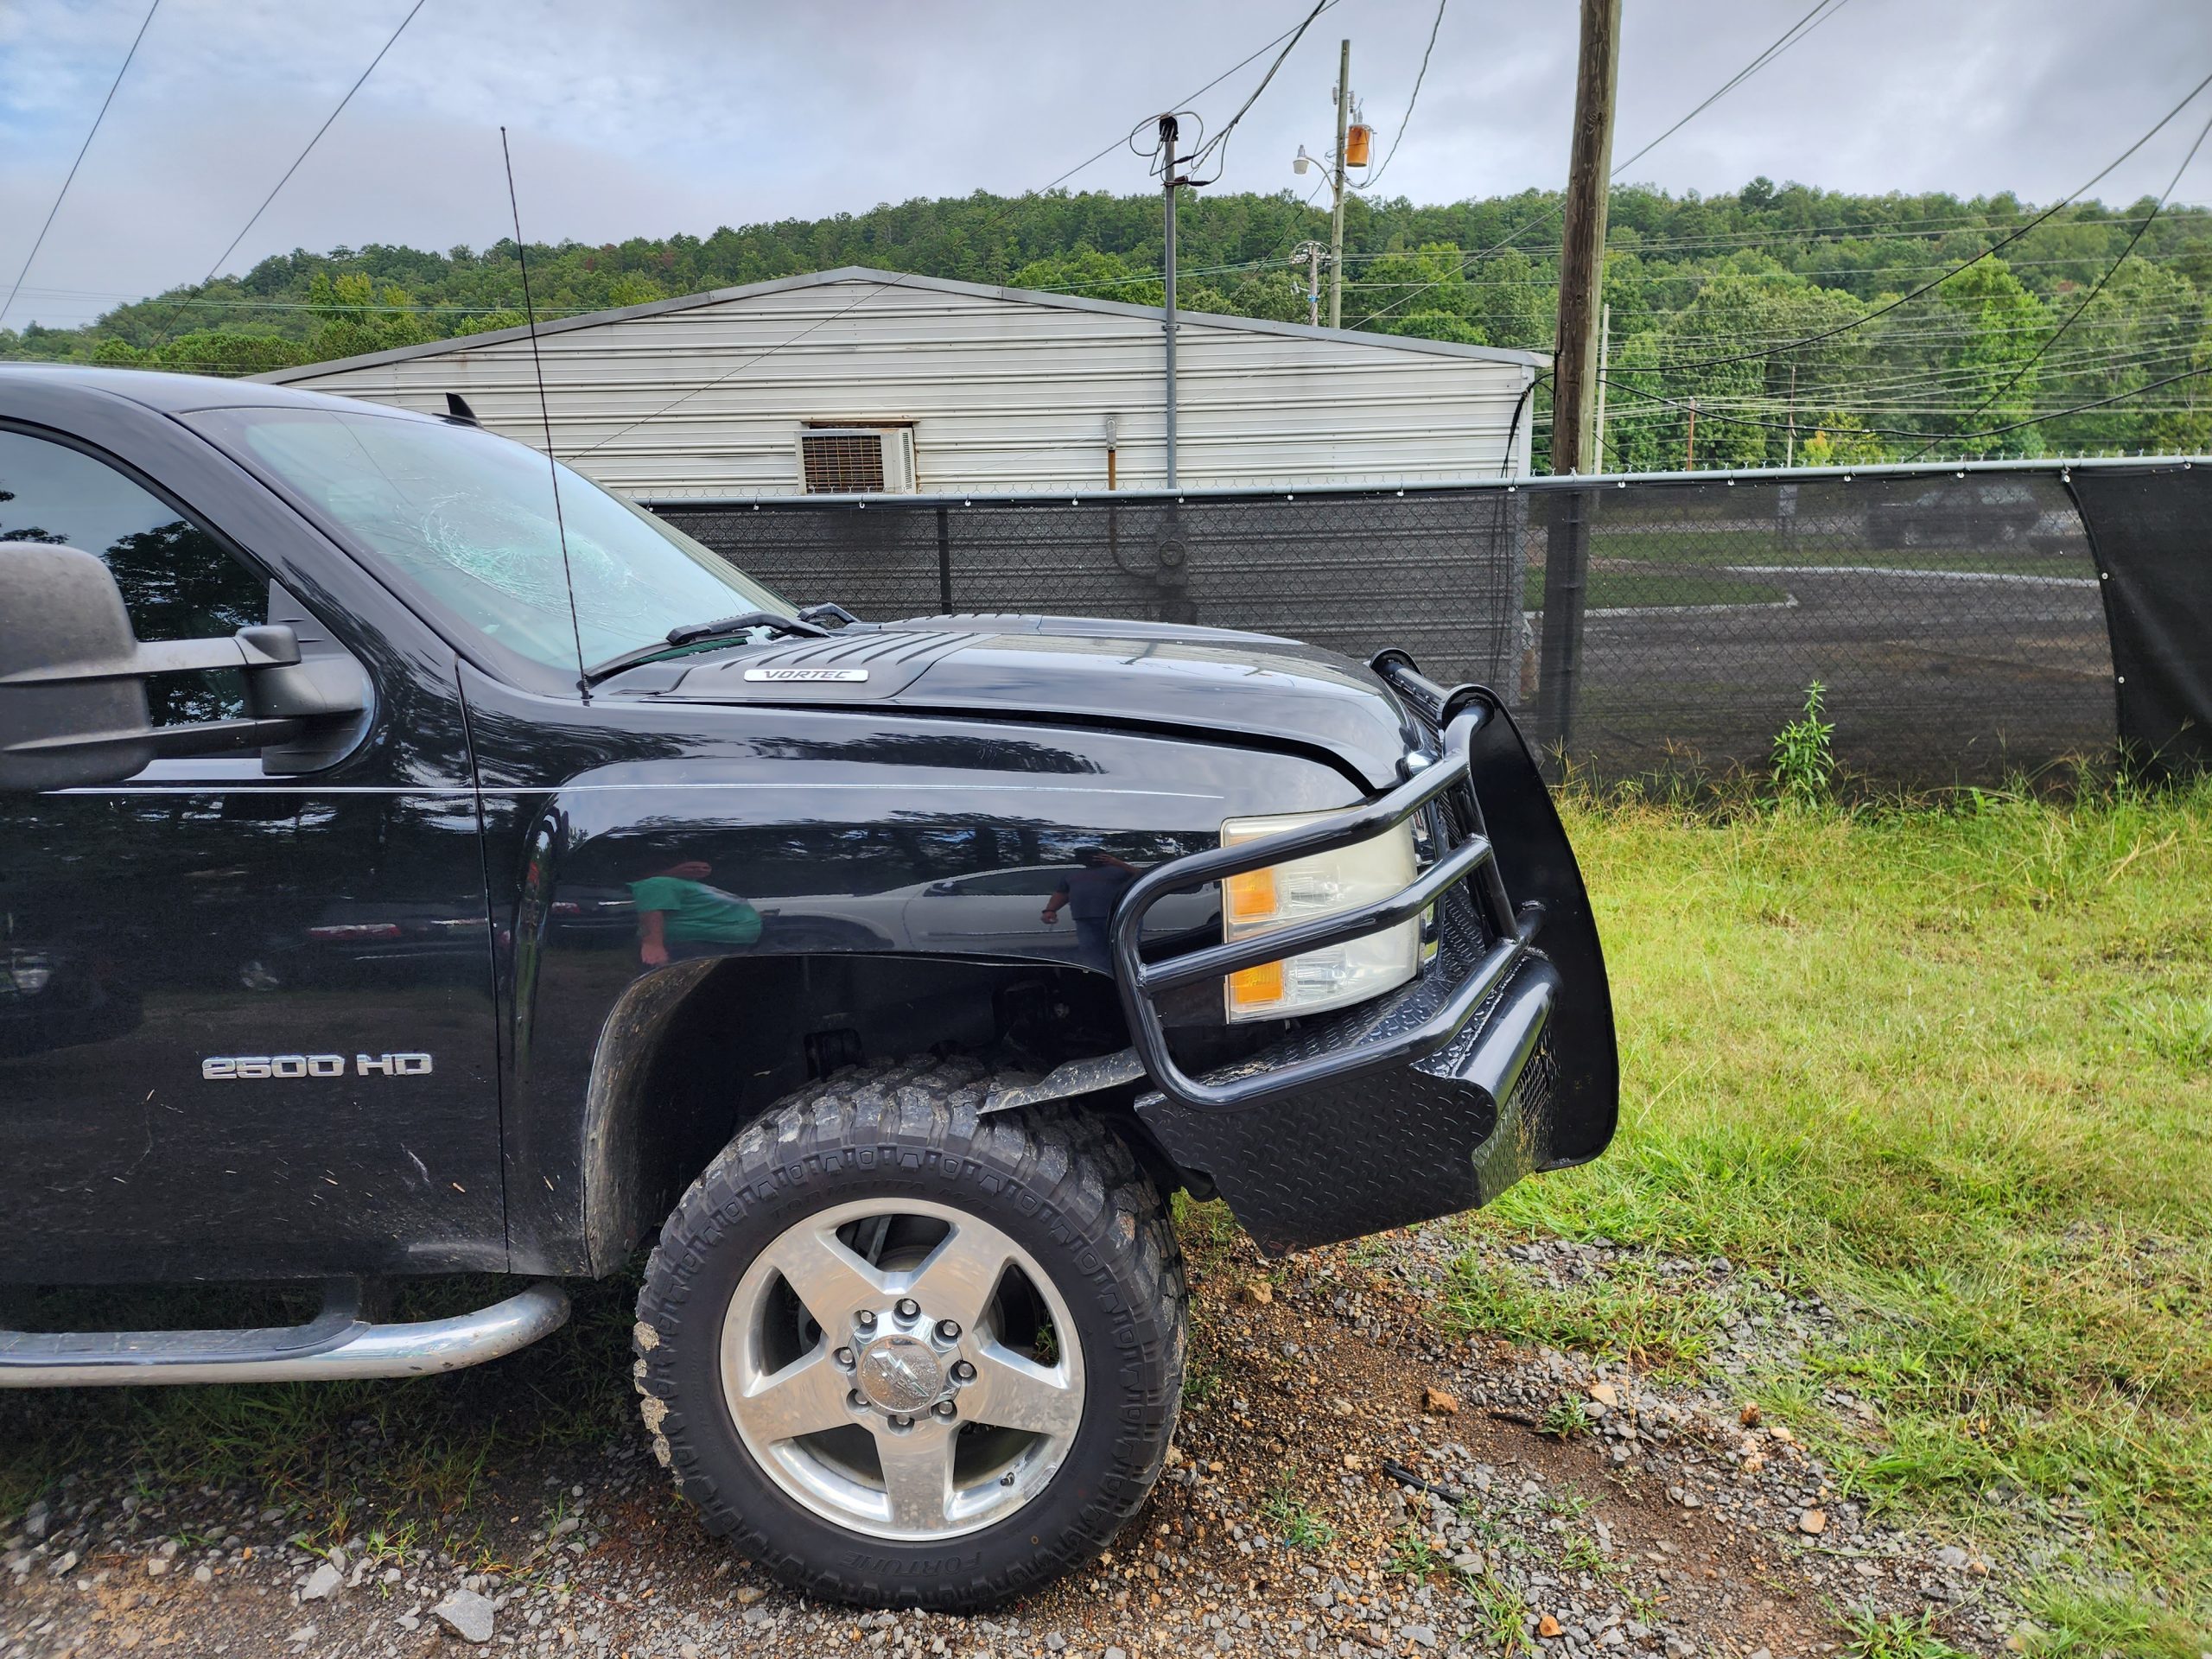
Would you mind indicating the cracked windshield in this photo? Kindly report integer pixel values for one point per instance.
(469, 518)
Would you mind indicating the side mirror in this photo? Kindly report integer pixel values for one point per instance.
(73, 692)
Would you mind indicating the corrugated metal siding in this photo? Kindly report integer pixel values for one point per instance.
(1005, 397)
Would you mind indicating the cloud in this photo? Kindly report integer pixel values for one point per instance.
(651, 117)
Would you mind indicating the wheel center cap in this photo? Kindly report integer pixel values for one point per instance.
(899, 1373)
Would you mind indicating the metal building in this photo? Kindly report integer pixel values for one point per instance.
(857, 380)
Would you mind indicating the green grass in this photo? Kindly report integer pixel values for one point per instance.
(1500, 1612)
(1897, 1636)
(1612, 590)
(1298, 1523)
(1567, 1418)
(1949, 1071)
(1414, 1554)
(379, 1463)
(1716, 548)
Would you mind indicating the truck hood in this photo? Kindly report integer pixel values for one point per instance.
(1211, 680)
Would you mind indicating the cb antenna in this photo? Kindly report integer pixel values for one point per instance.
(545, 415)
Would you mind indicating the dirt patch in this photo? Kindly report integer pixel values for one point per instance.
(1346, 1481)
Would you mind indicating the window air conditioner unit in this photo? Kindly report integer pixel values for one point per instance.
(856, 460)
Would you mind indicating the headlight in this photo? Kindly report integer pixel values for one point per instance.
(1321, 884)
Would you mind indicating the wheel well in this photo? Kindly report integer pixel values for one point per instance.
(697, 1049)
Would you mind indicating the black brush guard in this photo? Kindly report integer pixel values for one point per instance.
(1497, 1059)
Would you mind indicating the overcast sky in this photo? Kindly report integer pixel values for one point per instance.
(651, 117)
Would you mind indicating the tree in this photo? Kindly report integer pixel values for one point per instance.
(1837, 439)
(1986, 375)
(1694, 277)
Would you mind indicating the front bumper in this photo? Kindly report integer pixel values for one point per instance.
(1496, 1060)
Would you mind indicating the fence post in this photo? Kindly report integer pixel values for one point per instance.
(943, 563)
(1558, 663)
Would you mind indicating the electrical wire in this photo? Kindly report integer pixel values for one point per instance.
(766, 352)
(2003, 242)
(2111, 271)
(1782, 43)
(1893, 432)
(1368, 183)
(40, 240)
(1101, 156)
(1216, 148)
(1796, 32)
(297, 159)
(317, 139)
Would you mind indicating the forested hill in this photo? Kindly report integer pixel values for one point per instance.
(1689, 280)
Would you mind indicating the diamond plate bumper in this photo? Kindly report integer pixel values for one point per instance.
(1496, 1061)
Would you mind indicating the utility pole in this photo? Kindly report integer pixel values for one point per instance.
(1311, 251)
(1337, 208)
(1575, 369)
(1689, 444)
(1789, 452)
(1604, 359)
(1168, 131)
(1582, 245)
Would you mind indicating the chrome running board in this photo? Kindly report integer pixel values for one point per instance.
(338, 1342)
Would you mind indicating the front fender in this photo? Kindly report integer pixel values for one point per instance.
(794, 836)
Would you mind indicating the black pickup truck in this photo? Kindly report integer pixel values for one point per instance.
(416, 860)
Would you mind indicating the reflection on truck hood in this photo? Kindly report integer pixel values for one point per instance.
(1211, 680)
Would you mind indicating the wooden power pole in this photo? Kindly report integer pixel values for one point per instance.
(1337, 206)
(1582, 243)
(1575, 372)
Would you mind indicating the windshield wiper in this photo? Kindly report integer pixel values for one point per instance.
(693, 634)
(745, 622)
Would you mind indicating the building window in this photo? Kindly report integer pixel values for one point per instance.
(856, 460)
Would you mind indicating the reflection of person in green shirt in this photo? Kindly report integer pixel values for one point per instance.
(676, 909)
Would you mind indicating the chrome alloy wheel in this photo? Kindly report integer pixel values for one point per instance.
(902, 1369)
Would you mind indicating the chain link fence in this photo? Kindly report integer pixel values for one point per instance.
(1641, 628)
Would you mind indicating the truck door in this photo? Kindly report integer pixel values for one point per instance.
(245, 1017)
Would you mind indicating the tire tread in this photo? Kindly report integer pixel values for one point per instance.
(923, 1115)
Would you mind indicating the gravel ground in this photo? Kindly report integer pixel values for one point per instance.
(1346, 1481)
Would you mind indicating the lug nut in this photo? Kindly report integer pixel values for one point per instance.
(902, 1422)
(908, 1307)
(856, 1400)
(844, 1359)
(963, 1372)
(865, 1318)
(948, 1330)
(945, 1408)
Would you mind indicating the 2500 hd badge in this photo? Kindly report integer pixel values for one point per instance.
(227, 1068)
(867, 988)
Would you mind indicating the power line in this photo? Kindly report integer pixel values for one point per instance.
(40, 241)
(1664, 274)
(2113, 270)
(1193, 99)
(1926, 288)
(1956, 437)
(867, 294)
(1368, 183)
(1795, 31)
(317, 139)
(303, 154)
(1707, 278)
(1215, 146)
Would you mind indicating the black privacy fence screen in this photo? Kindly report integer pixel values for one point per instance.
(1967, 626)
